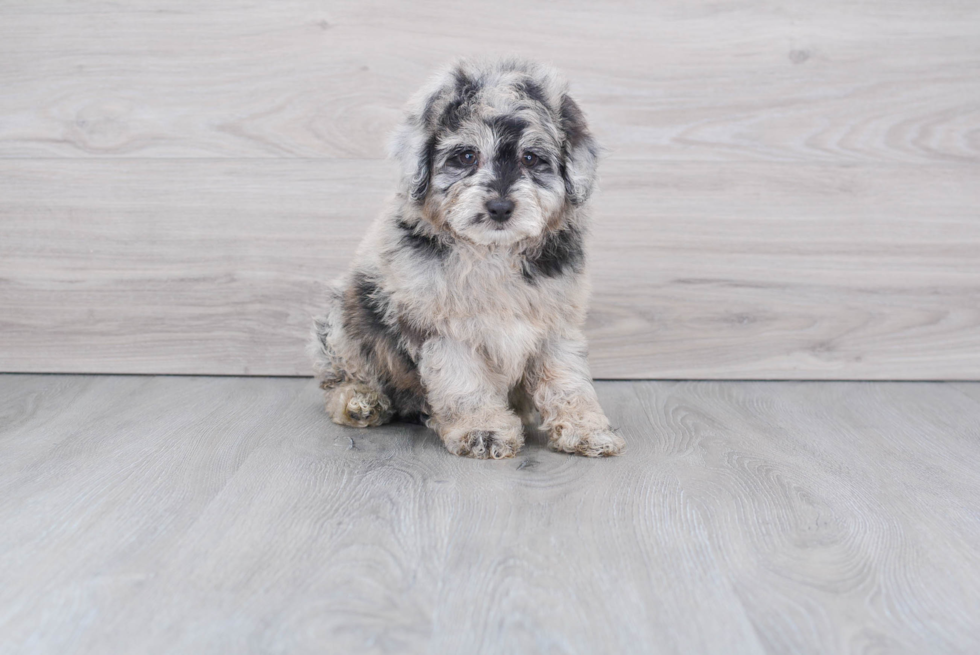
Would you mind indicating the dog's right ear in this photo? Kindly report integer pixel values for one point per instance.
(414, 146)
(414, 152)
(415, 140)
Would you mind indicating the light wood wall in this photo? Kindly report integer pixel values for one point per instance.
(790, 189)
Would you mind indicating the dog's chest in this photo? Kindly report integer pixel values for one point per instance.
(487, 302)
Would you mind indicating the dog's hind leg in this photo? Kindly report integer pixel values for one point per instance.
(352, 396)
(358, 405)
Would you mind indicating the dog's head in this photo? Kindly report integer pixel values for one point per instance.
(496, 152)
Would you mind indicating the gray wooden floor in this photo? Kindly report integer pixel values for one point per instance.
(172, 514)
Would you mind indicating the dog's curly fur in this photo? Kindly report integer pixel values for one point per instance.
(465, 301)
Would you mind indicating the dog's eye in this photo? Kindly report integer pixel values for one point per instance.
(466, 158)
(529, 159)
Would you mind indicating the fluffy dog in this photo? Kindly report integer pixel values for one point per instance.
(464, 304)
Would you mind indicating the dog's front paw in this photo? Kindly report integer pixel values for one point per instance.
(591, 443)
(485, 444)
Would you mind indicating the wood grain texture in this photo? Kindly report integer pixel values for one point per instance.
(701, 270)
(765, 81)
(791, 188)
(228, 514)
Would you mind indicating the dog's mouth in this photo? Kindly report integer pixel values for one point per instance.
(496, 226)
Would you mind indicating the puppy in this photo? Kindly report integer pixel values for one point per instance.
(465, 301)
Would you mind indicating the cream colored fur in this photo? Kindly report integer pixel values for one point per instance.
(449, 314)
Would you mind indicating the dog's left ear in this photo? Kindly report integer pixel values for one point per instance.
(580, 150)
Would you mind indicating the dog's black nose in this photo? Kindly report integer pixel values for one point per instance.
(500, 209)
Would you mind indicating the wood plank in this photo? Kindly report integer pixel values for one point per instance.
(204, 514)
(826, 82)
(791, 265)
(701, 270)
(787, 272)
(174, 266)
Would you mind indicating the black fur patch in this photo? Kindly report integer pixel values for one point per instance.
(507, 128)
(365, 320)
(542, 175)
(365, 316)
(576, 135)
(410, 405)
(457, 111)
(413, 334)
(426, 157)
(573, 122)
(430, 105)
(453, 115)
(561, 251)
(423, 244)
(532, 91)
(466, 87)
(506, 160)
(507, 169)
